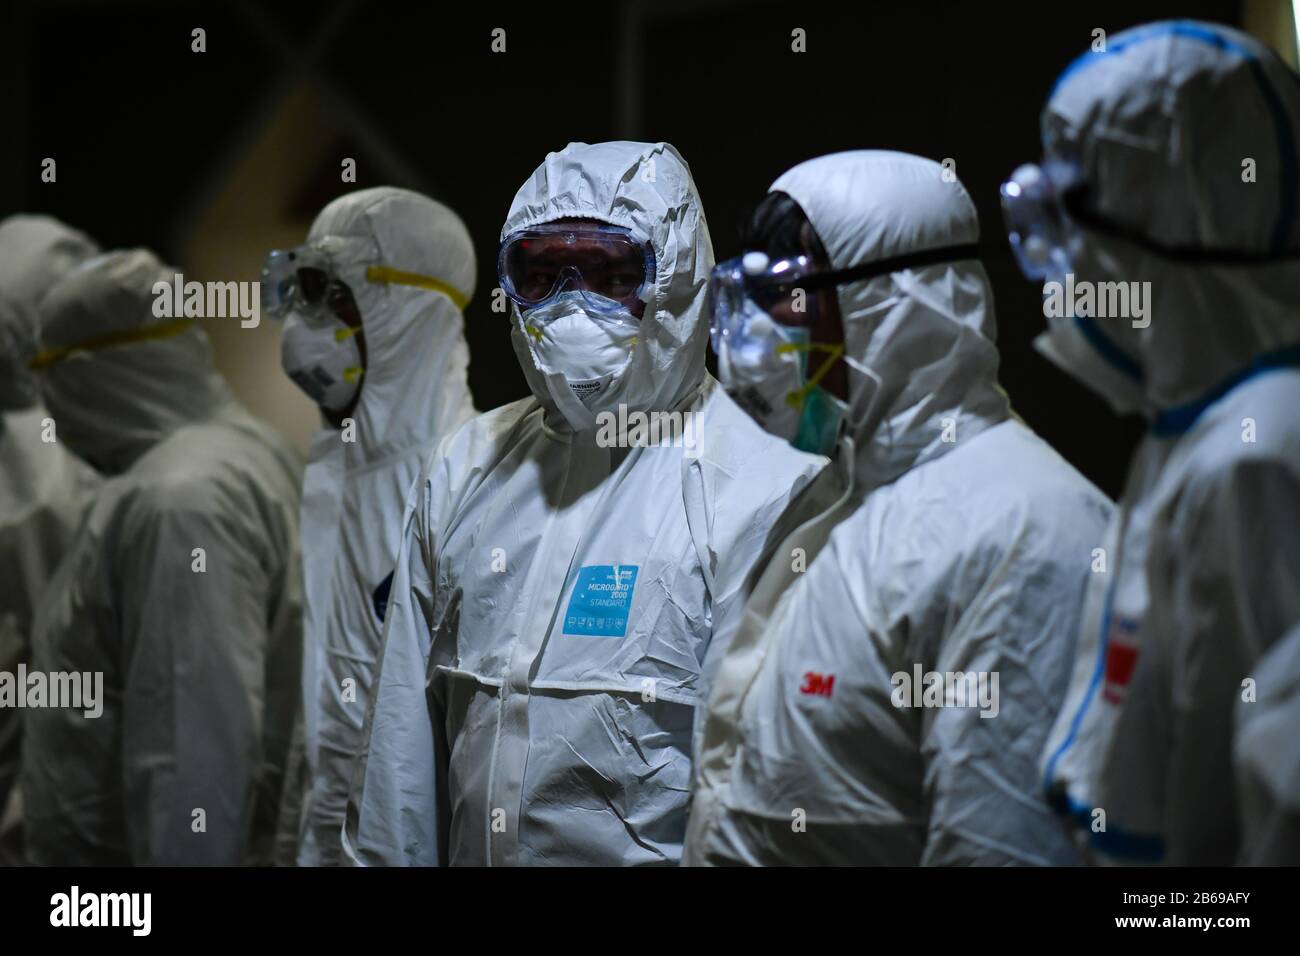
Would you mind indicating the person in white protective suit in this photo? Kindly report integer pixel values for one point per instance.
(1144, 187)
(44, 489)
(567, 556)
(379, 287)
(1267, 759)
(884, 694)
(181, 590)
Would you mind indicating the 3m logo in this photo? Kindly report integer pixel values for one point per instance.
(821, 685)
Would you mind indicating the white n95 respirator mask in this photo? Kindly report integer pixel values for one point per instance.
(323, 359)
(588, 348)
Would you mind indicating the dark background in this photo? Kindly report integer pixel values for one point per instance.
(143, 128)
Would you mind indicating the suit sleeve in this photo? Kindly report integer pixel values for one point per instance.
(1009, 656)
(1228, 578)
(393, 816)
(195, 636)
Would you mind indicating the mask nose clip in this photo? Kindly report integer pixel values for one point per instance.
(569, 283)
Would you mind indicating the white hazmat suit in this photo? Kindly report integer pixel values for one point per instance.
(946, 539)
(182, 589)
(44, 489)
(555, 596)
(413, 393)
(1203, 554)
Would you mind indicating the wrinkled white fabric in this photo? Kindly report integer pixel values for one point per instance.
(181, 588)
(414, 393)
(1267, 759)
(35, 252)
(38, 252)
(43, 489)
(1203, 554)
(946, 538)
(112, 404)
(44, 492)
(18, 387)
(505, 729)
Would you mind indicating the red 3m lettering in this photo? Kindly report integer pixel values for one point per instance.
(820, 684)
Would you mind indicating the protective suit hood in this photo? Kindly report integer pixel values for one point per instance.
(414, 337)
(35, 252)
(925, 336)
(1187, 136)
(116, 379)
(647, 188)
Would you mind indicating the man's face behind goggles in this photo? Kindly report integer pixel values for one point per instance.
(538, 263)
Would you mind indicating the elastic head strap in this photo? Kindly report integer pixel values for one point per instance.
(1075, 203)
(388, 276)
(869, 270)
(866, 270)
(164, 330)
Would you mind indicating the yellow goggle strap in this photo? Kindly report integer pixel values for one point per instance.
(833, 353)
(387, 276)
(164, 330)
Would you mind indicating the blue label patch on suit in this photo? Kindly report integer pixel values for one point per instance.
(601, 600)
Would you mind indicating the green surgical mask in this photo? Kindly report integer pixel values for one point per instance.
(819, 424)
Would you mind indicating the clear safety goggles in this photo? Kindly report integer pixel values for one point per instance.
(1046, 211)
(299, 279)
(608, 262)
(1036, 207)
(784, 289)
